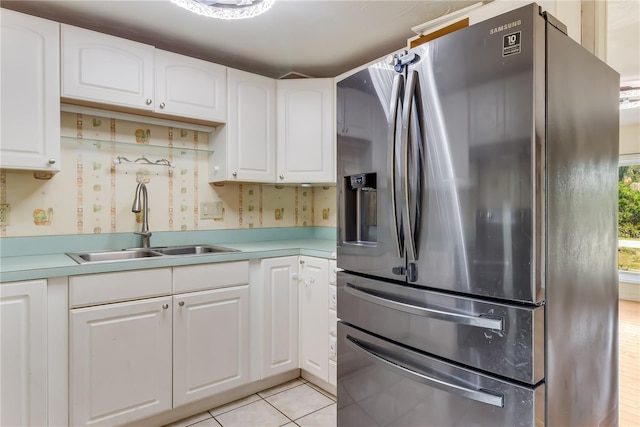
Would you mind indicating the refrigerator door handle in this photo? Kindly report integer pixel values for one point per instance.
(483, 396)
(492, 323)
(396, 102)
(409, 127)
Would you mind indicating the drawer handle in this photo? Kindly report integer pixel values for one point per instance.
(181, 303)
(461, 319)
(165, 306)
(477, 395)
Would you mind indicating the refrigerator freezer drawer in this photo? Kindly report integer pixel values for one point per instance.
(507, 340)
(384, 384)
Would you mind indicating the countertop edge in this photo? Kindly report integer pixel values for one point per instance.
(20, 268)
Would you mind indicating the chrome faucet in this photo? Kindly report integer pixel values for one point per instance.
(141, 193)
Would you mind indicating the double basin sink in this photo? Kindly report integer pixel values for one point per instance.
(143, 253)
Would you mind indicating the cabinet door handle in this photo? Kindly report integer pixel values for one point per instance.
(52, 161)
(235, 174)
(162, 105)
(165, 306)
(148, 101)
(181, 303)
(281, 176)
(301, 262)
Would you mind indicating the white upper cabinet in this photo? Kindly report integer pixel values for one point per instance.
(102, 69)
(190, 87)
(30, 87)
(306, 136)
(244, 149)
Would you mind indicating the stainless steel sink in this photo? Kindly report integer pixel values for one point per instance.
(133, 254)
(108, 256)
(192, 250)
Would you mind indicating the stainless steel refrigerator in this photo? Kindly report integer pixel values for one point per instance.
(477, 231)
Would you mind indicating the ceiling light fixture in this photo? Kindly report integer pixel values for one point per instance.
(226, 9)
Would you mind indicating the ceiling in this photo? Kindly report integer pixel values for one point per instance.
(317, 38)
(623, 48)
(311, 37)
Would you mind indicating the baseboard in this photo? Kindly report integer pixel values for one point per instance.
(329, 388)
(629, 291)
(203, 405)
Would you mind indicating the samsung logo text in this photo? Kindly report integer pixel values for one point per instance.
(505, 26)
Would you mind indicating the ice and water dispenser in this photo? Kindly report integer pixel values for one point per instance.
(360, 210)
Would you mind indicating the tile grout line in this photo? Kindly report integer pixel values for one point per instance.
(293, 420)
(241, 406)
(261, 398)
(290, 420)
(313, 412)
(268, 403)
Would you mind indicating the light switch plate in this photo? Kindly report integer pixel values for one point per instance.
(211, 210)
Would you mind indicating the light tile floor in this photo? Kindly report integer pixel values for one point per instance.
(294, 403)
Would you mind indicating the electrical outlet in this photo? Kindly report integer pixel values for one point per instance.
(5, 214)
(211, 210)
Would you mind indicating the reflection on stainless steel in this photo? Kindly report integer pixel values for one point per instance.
(192, 250)
(110, 256)
(441, 324)
(491, 275)
(440, 166)
(145, 253)
(408, 388)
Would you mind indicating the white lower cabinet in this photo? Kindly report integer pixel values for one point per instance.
(143, 342)
(280, 320)
(210, 342)
(133, 359)
(23, 353)
(314, 316)
(333, 322)
(120, 361)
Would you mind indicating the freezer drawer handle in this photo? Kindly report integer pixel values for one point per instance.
(490, 398)
(494, 323)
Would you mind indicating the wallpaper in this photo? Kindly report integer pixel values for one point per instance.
(93, 193)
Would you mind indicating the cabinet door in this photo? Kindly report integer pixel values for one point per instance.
(314, 316)
(23, 353)
(30, 87)
(306, 136)
(120, 362)
(101, 68)
(190, 87)
(280, 321)
(245, 149)
(210, 342)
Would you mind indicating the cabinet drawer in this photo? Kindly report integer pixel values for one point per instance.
(122, 286)
(210, 276)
